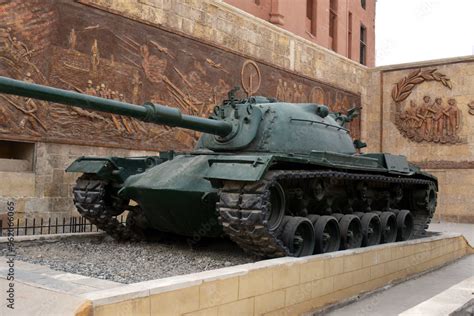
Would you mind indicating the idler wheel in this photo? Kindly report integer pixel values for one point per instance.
(276, 211)
(351, 232)
(327, 235)
(371, 229)
(431, 196)
(388, 221)
(405, 224)
(298, 236)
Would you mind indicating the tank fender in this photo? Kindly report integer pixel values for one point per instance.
(238, 168)
(116, 169)
(397, 164)
(93, 165)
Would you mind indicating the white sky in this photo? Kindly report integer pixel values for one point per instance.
(414, 30)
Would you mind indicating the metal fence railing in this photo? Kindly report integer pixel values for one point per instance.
(40, 226)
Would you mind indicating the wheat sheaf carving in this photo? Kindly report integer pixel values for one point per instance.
(404, 87)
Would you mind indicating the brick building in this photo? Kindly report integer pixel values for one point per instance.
(344, 26)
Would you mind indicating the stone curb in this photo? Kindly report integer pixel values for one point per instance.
(50, 237)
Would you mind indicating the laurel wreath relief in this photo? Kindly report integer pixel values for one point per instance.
(404, 87)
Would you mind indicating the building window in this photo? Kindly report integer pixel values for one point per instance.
(311, 16)
(333, 24)
(362, 4)
(363, 44)
(349, 35)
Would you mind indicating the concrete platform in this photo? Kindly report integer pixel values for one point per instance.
(282, 286)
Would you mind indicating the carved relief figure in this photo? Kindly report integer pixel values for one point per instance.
(409, 117)
(288, 92)
(152, 65)
(318, 96)
(452, 116)
(471, 107)
(30, 109)
(301, 95)
(90, 90)
(280, 92)
(5, 38)
(72, 39)
(4, 117)
(95, 57)
(136, 87)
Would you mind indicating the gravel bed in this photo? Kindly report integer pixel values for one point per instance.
(125, 262)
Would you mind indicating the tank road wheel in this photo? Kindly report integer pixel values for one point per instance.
(371, 229)
(405, 224)
(277, 207)
(313, 218)
(298, 236)
(351, 232)
(327, 235)
(388, 223)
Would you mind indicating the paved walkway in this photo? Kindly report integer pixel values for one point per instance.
(42, 291)
(453, 299)
(407, 295)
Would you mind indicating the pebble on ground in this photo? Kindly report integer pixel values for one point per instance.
(129, 262)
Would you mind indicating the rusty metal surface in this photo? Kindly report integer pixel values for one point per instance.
(73, 46)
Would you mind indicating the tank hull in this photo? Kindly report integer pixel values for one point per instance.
(177, 195)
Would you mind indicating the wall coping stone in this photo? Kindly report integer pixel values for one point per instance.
(424, 63)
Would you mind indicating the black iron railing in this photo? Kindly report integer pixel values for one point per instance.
(40, 226)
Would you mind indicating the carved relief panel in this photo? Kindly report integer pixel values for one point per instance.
(433, 118)
(76, 47)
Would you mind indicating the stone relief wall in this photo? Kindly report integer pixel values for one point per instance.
(90, 51)
(425, 111)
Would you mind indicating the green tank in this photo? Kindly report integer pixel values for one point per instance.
(279, 179)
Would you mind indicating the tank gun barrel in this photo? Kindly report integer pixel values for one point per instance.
(149, 112)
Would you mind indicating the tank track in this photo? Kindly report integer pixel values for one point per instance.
(243, 206)
(93, 202)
